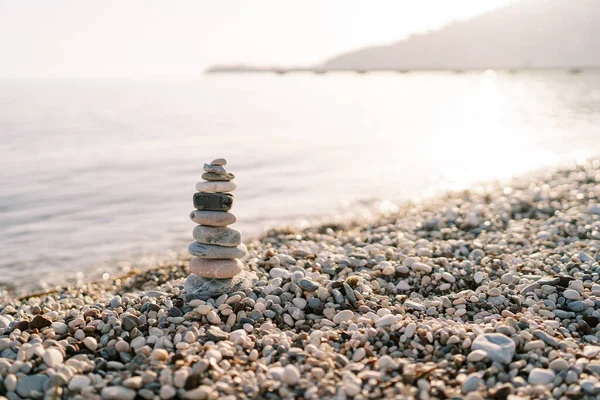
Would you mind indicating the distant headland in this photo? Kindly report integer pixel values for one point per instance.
(529, 34)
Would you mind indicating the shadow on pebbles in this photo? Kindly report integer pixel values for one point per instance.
(491, 292)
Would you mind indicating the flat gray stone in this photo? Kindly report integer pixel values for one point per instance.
(219, 161)
(414, 305)
(212, 251)
(197, 287)
(471, 383)
(577, 306)
(211, 176)
(31, 383)
(217, 235)
(212, 218)
(216, 334)
(546, 338)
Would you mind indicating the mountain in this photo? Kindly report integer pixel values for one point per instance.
(525, 34)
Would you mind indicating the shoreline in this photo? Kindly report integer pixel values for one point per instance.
(481, 293)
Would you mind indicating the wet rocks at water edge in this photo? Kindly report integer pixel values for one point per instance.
(215, 265)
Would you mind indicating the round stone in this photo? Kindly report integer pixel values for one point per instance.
(215, 269)
(216, 235)
(201, 250)
(197, 287)
(212, 218)
(498, 347)
(219, 161)
(215, 186)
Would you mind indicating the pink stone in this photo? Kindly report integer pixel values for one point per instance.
(215, 269)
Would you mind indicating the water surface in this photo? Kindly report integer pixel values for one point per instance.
(97, 171)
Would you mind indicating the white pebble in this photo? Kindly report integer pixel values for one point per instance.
(291, 375)
(90, 343)
(343, 316)
(52, 357)
(386, 320)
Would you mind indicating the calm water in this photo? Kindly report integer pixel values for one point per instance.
(97, 171)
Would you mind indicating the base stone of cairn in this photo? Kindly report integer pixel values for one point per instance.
(215, 265)
(197, 287)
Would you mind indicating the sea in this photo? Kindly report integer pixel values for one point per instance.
(97, 175)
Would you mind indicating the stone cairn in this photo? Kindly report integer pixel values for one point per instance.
(215, 265)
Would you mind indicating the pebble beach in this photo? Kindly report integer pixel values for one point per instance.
(487, 293)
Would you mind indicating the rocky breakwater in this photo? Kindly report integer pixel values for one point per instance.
(216, 252)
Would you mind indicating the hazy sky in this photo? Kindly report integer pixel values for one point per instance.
(147, 37)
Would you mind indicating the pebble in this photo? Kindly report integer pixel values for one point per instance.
(78, 383)
(421, 267)
(558, 364)
(448, 277)
(215, 169)
(541, 376)
(577, 306)
(211, 176)
(52, 357)
(215, 186)
(591, 351)
(219, 161)
(279, 273)
(29, 384)
(90, 343)
(585, 257)
(134, 382)
(216, 334)
(215, 268)
(10, 383)
(212, 218)
(117, 393)
(476, 355)
(308, 285)
(410, 330)
(212, 201)
(478, 277)
(159, 355)
(386, 320)
(571, 294)
(290, 375)
(546, 338)
(497, 346)
(167, 392)
(209, 251)
(471, 383)
(217, 235)
(343, 316)
(386, 363)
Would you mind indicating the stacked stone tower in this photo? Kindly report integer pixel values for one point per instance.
(216, 252)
